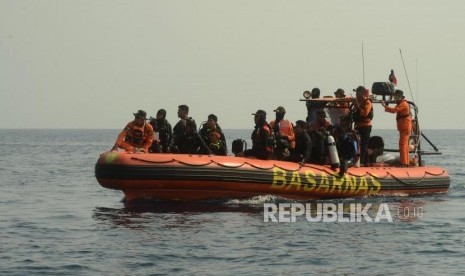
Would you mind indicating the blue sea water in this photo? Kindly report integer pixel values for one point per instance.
(57, 220)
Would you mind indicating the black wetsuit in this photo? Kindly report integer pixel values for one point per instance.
(303, 148)
(163, 127)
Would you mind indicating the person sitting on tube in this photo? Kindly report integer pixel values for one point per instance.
(179, 142)
(212, 125)
(284, 133)
(137, 136)
(215, 143)
(303, 144)
(262, 138)
(193, 142)
(161, 126)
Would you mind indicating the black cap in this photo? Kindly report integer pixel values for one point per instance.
(340, 91)
(360, 89)
(141, 114)
(399, 93)
(280, 109)
(260, 112)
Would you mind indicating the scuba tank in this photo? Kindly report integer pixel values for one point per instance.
(332, 152)
(238, 146)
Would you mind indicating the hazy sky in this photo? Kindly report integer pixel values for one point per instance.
(91, 64)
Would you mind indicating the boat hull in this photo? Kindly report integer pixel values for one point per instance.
(200, 177)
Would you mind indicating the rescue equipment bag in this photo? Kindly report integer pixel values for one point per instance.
(238, 146)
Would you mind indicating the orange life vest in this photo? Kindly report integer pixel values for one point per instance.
(135, 136)
(257, 138)
(285, 129)
(364, 115)
(403, 110)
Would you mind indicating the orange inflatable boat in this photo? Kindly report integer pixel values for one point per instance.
(197, 177)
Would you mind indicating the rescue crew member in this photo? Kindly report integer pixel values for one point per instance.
(165, 133)
(137, 136)
(315, 105)
(317, 131)
(346, 149)
(321, 123)
(179, 131)
(340, 93)
(193, 142)
(338, 115)
(404, 124)
(211, 125)
(362, 116)
(262, 138)
(216, 145)
(303, 144)
(284, 134)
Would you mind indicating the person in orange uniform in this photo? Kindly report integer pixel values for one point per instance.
(404, 124)
(284, 133)
(362, 115)
(137, 136)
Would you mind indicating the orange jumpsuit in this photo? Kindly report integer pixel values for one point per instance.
(404, 125)
(133, 136)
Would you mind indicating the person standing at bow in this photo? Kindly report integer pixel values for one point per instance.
(404, 124)
(137, 136)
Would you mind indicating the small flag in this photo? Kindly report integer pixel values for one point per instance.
(392, 78)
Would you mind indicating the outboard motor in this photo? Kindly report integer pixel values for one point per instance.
(332, 152)
(238, 145)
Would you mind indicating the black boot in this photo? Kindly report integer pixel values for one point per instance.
(343, 168)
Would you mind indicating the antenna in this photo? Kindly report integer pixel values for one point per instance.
(406, 75)
(363, 66)
(418, 89)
